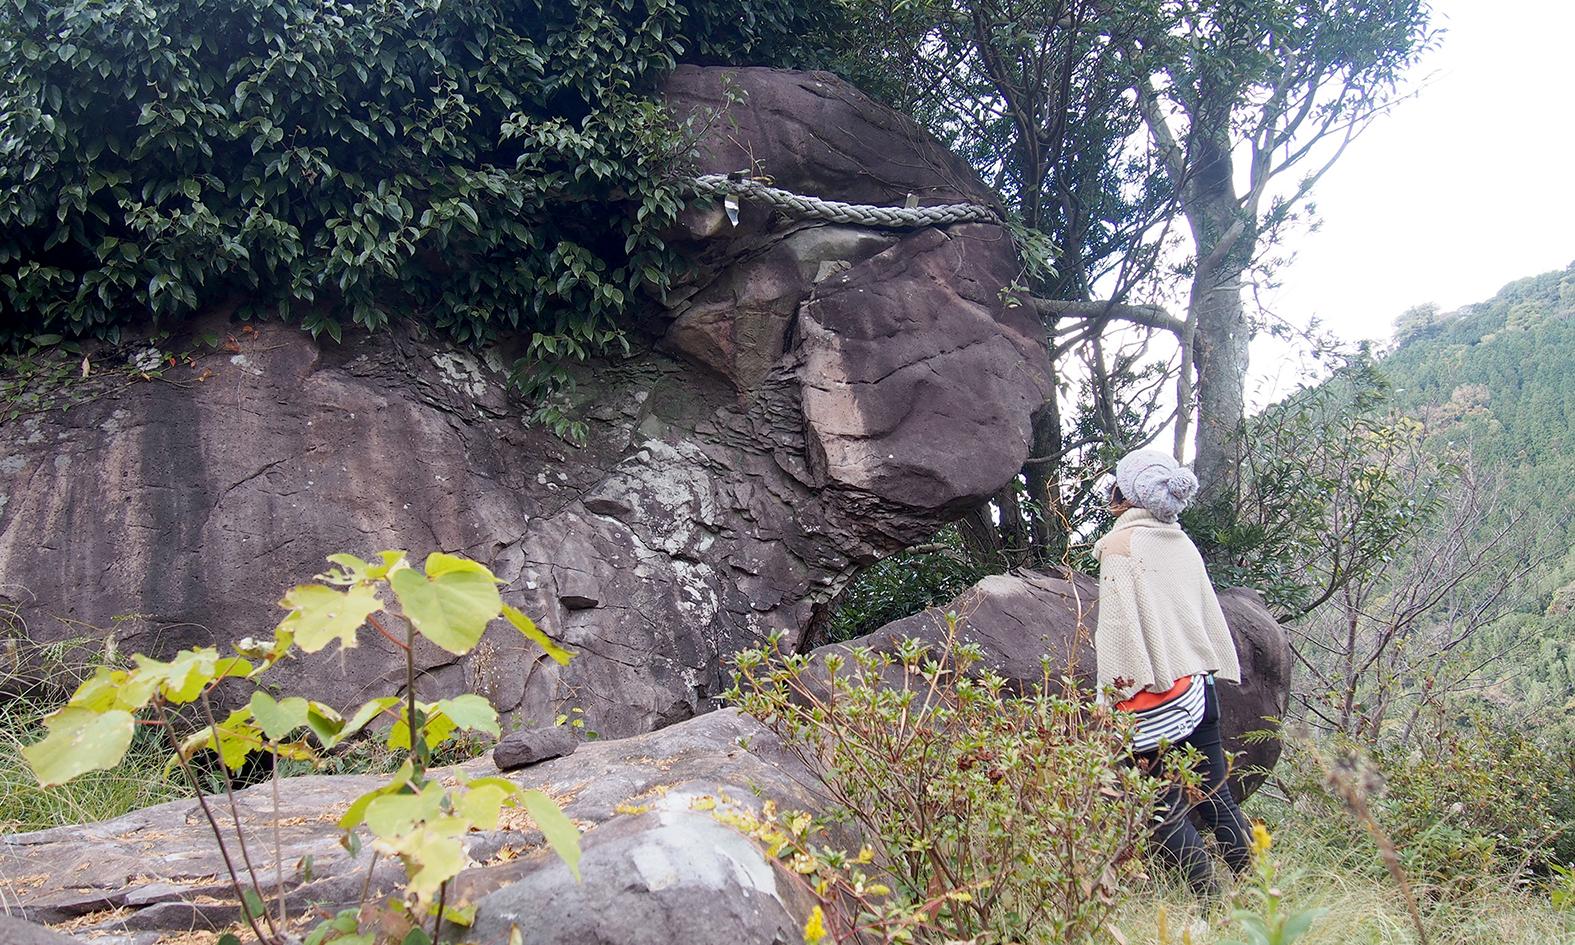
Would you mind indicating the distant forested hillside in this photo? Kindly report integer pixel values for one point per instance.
(1499, 376)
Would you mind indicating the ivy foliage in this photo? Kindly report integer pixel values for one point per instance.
(492, 166)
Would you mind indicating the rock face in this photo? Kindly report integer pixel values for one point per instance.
(1019, 618)
(811, 398)
(657, 865)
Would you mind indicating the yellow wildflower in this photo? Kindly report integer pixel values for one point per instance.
(1261, 839)
(815, 927)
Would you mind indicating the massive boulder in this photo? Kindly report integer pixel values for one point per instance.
(809, 398)
(1027, 620)
(657, 867)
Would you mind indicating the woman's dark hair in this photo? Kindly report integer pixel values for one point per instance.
(1115, 495)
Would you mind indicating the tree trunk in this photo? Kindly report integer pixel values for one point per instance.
(1220, 357)
(1048, 523)
(1223, 241)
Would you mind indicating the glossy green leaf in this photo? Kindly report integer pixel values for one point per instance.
(435, 729)
(528, 627)
(368, 711)
(452, 604)
(326, 724)
(252, 903)
(561, 834)
(79, 741)
(319, 615)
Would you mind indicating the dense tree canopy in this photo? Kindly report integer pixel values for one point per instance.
(487, 166)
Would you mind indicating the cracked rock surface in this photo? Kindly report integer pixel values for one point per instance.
(807, 399)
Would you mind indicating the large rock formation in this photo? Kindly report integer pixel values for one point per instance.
(810, 398)
(1021, 619)
(657, 865)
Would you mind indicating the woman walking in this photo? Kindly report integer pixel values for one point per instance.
(1160, 642)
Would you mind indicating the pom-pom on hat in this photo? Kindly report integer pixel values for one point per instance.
(1155, 481)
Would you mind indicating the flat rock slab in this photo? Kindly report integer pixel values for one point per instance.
(658, 866)
(15, 931)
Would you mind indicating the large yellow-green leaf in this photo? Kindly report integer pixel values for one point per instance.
(180, 680)
(433, 855)
(353, 570)
(356, 813)
(395, 814)
(278, 718)
(236, 738)
(435, 729)
(532, 632)
(481, 804)
(561, 834)
(452, 604)
(471, 712)
(113, 689)
(79, 741)
(319, 615)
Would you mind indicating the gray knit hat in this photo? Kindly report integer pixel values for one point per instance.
(1155, 481)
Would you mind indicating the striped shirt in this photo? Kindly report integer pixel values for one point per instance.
(1167, 717)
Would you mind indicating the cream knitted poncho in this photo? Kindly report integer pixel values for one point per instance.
(1158, 617)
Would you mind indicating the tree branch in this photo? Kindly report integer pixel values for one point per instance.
(1150, 316)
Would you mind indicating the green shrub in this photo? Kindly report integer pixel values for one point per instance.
(1006, 817)
(904, 584)
(1477, 801)
(490, 166)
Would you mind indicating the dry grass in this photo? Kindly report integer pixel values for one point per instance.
(1331, 867)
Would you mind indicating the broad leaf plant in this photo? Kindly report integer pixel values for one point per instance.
(450, 601)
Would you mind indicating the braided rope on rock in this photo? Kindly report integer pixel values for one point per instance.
(835, 211)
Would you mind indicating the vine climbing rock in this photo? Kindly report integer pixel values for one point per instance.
(1029, 623)
(808, 398)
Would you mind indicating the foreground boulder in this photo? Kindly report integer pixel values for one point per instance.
(657, 865)
(807, 400)
(1021, 620)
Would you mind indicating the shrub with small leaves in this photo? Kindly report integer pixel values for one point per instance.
(449, 602)
(1474, 801)
(1007, 817)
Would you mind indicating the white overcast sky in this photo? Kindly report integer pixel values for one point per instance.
(1467, 186)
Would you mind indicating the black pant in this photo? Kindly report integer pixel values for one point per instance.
(1180, 843)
